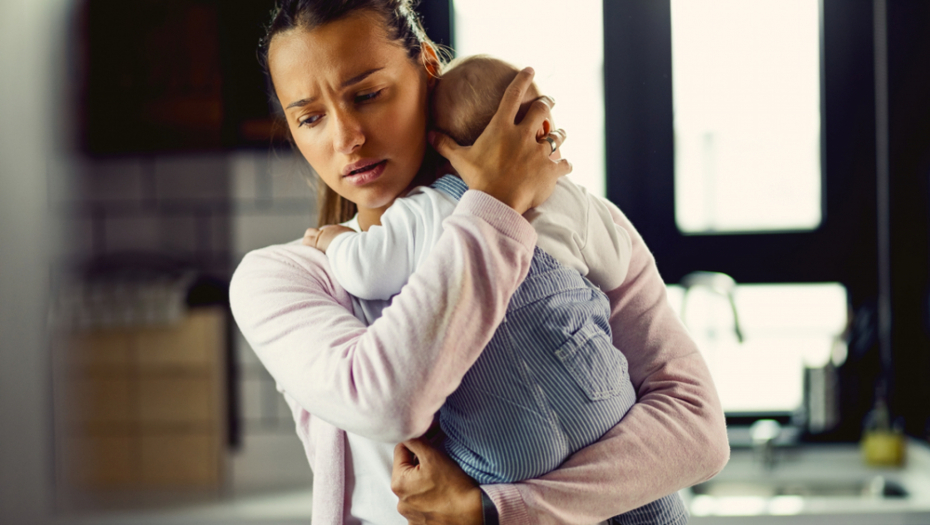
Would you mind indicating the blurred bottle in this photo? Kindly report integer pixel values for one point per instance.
(882, 444)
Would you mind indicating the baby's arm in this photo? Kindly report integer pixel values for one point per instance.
(376, 264)
(321, 237)
(362, 262)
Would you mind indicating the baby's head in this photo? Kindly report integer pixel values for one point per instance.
(469, 93)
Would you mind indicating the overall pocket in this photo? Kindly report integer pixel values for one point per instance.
(594, 363)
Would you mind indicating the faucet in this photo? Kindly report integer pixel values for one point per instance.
(763, 433)
(716, 282)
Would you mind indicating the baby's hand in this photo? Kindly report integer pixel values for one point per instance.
(320, 238)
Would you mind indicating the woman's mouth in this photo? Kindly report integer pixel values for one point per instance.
(365, 173)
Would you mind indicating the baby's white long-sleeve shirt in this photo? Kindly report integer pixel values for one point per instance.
(572, 225)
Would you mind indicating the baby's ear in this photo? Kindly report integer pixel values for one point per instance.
(544, 130)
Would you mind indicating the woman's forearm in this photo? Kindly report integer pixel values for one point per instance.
(385, 381)
(673, 437)
(666, 442)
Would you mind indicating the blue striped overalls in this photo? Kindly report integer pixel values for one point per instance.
(549, 383)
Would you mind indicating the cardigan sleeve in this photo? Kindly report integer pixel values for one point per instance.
(387, 380)
(673, 437)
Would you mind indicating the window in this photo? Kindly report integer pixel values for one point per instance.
(548, 35)
(746, 98)
(656, 131)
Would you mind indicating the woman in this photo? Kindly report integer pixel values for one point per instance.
(353, 78)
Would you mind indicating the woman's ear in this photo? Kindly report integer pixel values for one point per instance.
(430, 60)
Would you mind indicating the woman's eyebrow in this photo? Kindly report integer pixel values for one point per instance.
(358, 78)
(354, 80)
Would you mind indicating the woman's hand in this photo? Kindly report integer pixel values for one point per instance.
(506, 161)
(432, 488)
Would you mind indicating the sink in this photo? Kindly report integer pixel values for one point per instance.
(877, 487)
(822, 483)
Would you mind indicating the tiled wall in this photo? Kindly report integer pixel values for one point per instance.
(271, 202)
(207, 210)
(175, 206)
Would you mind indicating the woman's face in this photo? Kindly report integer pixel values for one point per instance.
(356, 106)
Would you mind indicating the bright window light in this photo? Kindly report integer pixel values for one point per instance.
(785, 327)
(746, 94)
(563, 42)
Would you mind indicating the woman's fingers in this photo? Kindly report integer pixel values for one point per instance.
(404, 458)
(513, 96)
(554, 140)
(445, 145)
(430, 486)
(420, 448)
(516, 164)
(538, 112)
(559, 135)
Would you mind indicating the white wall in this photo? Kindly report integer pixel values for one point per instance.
(46, 188)
(30, 70)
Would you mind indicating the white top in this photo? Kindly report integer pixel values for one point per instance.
(368, 480)
(368, 466)
(573, 226)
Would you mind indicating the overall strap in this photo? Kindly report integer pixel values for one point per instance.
(450, 185)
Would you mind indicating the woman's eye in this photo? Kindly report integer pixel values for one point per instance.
(309, 121)
(368, 96)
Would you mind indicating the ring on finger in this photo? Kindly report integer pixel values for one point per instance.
(553, 143)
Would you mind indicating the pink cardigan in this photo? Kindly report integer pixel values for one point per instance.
(369, 380)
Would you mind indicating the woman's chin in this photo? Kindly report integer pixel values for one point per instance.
(375, 202)
(377, 196)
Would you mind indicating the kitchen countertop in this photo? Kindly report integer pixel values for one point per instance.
(279, 508)
(823, 461)
(820, 463)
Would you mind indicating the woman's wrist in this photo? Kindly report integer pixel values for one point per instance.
(508, 195)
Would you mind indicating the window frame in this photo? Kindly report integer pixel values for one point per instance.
(640, 141)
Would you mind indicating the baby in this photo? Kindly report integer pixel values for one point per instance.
(550, 382)
(573, 226)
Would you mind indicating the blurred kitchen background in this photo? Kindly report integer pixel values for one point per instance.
(774, 154)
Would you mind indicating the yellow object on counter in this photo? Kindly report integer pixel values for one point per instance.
(883, 448)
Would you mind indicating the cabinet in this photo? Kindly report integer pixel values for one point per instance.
(173, 75)
(143, 408)
(182, 75)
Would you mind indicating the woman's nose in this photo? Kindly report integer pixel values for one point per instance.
(349, 134)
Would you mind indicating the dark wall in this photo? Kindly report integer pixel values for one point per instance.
(909, 130)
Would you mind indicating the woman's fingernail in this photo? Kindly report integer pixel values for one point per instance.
(529, 70)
